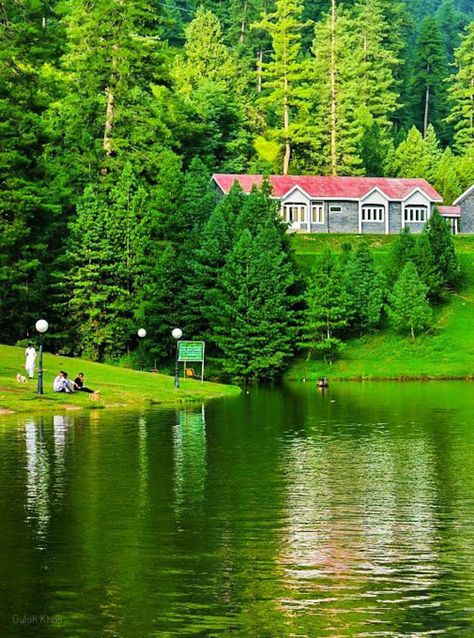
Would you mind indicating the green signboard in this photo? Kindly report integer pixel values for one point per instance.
(191, 350)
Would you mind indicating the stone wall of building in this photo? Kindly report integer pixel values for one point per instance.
(346, 221)
(394, 217)
(467, 214)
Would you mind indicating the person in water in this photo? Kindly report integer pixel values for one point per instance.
(79, 383)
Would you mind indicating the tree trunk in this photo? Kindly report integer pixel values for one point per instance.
(110, 110)
(286, 125)
(412, 333)
(259, 69)
(244, 23)
(427, 105)
(472, 109)
(332, 75)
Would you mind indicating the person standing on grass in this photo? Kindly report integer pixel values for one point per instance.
(30, 354)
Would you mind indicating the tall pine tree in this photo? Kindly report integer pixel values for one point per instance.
(461, 93)
(284, 93)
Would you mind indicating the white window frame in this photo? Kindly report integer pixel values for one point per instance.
(317, 212)
(453, 224)
(298, 211)
(415, 214)
(373, 213)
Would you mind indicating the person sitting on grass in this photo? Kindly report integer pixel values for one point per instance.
(62, 384)
(79, 383)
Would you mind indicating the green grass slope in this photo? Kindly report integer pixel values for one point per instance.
(446, 351)
(119, 387)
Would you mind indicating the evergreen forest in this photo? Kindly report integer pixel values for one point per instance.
(115, 114)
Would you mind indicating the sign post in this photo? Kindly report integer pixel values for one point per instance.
(192, 351)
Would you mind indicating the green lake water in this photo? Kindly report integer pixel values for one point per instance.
(285, 512)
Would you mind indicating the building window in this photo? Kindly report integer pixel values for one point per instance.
(416, 213)
(335, 209)
(317, 213)
(373, 213)
(294, 213)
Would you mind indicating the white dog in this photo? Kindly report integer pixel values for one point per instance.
(21, 379)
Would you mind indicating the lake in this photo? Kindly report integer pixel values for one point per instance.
(285, 512)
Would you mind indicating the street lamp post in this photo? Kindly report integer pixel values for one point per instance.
(41, 326)
(142, 334)
(177, 334)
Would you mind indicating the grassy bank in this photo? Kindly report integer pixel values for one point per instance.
(119, 387)
(446, 351)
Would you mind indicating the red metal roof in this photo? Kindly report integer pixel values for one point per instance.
(450, 211)
(331, 187)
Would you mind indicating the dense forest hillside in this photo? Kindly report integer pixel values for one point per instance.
(115, 113)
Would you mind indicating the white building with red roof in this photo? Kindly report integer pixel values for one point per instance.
(318, 204)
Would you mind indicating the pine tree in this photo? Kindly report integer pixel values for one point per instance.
(427, 267)
(402, 251)
(210, 257)
(376, 63)
(254, 321)
(107, 113)
(284, 93)
(451, 23)
(408, 307)
(416, 156)
(157, 302)
(465, 169)
(428, 87)
(461, 93)
(106, 256)
(446, 178)
(30, 219)
(196, 201)
(205, 56)
(212, 85)
(442, 247)
(327, 308)
(365, 290)
(335, 131)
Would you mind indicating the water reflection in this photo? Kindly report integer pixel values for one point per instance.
(283, 513)
(189, 446)
(38, 479)
(366, 549)
(142, 462)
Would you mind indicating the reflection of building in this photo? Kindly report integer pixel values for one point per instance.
(360, 529)
(189, 442)
(38, 478)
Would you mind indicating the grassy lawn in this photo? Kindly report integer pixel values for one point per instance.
(446, 351)
(119, 387)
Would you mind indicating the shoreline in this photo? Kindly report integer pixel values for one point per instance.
(5, 410)
(399, 378)
(120, 388)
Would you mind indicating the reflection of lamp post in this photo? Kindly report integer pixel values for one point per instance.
(41, 326)
(142, 334)
(177, 334)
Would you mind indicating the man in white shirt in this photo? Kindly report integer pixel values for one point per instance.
(30, 354)
(62, 384)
